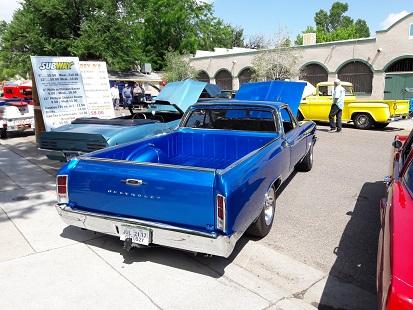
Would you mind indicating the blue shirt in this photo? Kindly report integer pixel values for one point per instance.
(339, 93)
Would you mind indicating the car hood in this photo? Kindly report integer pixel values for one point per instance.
(273, 91)
(182, 94)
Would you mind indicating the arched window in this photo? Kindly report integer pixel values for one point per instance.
(359, 74)
(401, 65)
(314, 74)
(245, 76)
(224, 79)
(203, 76)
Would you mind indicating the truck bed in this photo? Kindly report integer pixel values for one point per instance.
(215, 149)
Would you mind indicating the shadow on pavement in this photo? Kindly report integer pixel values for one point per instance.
(357, 250)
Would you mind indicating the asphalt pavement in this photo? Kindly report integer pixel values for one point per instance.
(321, 251)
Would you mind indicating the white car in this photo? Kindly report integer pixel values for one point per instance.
(15, 116)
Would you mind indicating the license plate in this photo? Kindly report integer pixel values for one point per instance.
(138, 235)
(18, 122)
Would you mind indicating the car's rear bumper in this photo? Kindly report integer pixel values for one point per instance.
(162, 234)
(396, 118)
(61, 155)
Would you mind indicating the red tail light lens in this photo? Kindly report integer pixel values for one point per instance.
(221, 212)
(61, 189)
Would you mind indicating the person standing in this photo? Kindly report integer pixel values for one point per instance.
(127, 96)
(337, 106)
(114, 91)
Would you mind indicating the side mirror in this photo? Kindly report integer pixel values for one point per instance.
(397, 144)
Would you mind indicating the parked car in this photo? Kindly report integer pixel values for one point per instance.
(201, 186)
(90, 134)
(16, 108)
(395, 251)
(363, 113)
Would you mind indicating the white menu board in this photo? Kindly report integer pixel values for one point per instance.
(60, 89)
(96, 84)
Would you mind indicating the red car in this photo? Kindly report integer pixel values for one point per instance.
(395, 251)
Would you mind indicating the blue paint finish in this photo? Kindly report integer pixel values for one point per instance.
(183, 171)
(273, 91)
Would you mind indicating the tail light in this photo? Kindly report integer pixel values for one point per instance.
(221, 213)
(61, 189)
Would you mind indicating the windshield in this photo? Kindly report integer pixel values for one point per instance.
(252, 119)
(328, 90)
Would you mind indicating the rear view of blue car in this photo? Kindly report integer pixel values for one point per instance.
(200, 187)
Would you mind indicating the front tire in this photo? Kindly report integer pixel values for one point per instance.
(3, 133)
(262, 225)
(306, 163)
(363, 121)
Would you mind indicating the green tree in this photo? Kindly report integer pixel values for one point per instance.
(183, 26)
(123, 33)
(335, 25)
(177, 67)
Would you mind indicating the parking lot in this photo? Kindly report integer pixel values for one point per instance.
(321, 251)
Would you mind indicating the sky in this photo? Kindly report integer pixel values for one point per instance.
(267, 16)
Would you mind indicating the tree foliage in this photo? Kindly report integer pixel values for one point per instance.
(123, 33)
(177, 67)
(335, 25)
(278, 63)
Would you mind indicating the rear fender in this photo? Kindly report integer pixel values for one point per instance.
(378, 111)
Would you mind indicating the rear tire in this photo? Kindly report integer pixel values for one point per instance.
(363, 121)
(306, 163)
(381, 125)
(3, 133)
(262, 225)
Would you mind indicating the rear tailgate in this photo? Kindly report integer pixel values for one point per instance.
(166, 194)
(398, 107)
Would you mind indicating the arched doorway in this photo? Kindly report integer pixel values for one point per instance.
(245, 75)
(399, 79)
(223, 79)
(313, 73)
(203, 76)
(359, 74)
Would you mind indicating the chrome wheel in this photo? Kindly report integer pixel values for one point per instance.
(269, 206)
(362, 120)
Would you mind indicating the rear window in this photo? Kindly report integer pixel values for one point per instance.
(328, 90)
(232, 119)
(408, 179)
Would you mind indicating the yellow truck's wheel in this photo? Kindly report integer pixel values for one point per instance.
(363, 121)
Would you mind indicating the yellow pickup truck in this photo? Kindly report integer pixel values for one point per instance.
(363, 113)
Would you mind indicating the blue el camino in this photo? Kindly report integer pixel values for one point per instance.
(85, 135)
(201, 186)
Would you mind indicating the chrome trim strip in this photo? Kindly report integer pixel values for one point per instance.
(162, 234)
(119, 161)
(60, 153)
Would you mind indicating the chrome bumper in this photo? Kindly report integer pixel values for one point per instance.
(162, 234)
(61, 154)
(397, 118)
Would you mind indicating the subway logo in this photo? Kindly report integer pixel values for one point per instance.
(56, 65)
